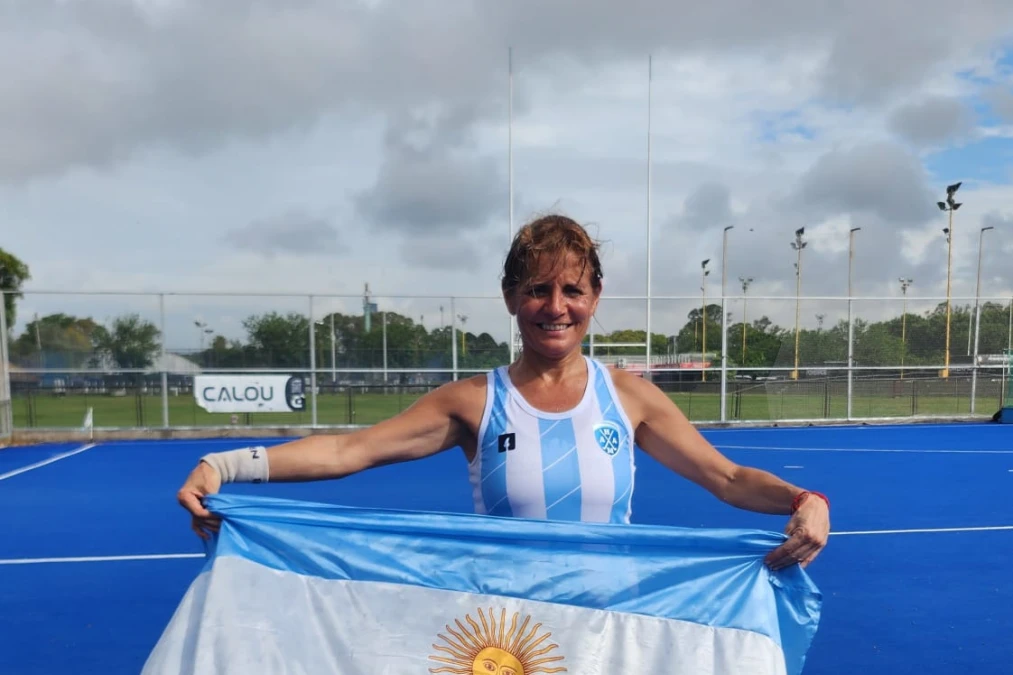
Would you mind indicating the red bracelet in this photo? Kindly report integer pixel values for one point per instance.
(797, 502)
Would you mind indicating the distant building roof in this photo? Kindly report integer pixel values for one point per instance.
(174, 363)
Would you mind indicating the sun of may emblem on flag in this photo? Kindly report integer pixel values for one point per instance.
(494, 649)
(607, 435)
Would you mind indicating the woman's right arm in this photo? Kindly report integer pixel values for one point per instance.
(436, 422)
(432, 424)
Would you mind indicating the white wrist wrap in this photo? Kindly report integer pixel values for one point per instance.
(247, 465)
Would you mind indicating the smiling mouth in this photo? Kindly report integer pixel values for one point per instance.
(554, 327)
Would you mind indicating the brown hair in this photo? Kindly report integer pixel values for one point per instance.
(552, 236)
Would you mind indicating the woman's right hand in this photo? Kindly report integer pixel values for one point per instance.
(202, 481)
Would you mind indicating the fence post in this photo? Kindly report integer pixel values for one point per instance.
(724, 358)
(313, 366)
(974, 365)
(165, 375)
(851, 355)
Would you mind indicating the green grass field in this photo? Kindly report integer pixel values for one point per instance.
(758, 403)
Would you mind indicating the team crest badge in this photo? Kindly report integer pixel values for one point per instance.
(607, 436)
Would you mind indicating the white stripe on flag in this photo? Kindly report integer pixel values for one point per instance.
(254, 619)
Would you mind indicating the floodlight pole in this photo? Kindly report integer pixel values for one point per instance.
(798, 245)
(949, 205)
(724, 324)
(977, 319)
(904, 283)
(510, 182)
(384, 347)
(949, 266)
(977, 288)
(851, 320)
(745, 288)
(647, 350)
(703, 318)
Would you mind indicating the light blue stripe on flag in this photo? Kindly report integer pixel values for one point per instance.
(622, 474)
(560, 469)
(494, 475)
(297, 587)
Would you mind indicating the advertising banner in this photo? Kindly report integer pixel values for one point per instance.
(250, 393)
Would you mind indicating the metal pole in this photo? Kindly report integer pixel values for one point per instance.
(453, 337)
(851, 320)
(744, 324)
(904, 283)
(334, 366)
(949, 262)
(724, 324)
(647, 372)
(798, 245)
(903, 335)
(977, 287)
(745, 289)
(165, 376)
(703, 320)
(313, 367)
(798, 291)
(724, 363)
(385, 347)
(510, 176)
(974, 369)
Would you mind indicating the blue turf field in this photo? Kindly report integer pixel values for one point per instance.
(937, 600)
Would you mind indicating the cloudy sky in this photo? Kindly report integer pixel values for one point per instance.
(311, 147)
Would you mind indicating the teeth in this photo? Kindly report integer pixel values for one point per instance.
(553, 326)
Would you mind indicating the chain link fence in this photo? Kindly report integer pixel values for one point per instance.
(129, 361)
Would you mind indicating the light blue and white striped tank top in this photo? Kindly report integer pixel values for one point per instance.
(576, 465)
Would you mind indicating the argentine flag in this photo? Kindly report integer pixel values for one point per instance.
(294, 587)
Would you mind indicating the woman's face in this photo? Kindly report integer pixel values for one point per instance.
(554, 311)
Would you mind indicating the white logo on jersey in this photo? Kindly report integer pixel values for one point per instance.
(607, 435)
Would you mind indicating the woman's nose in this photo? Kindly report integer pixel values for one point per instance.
(555, 303)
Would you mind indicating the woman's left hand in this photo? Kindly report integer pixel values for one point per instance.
(807, 530)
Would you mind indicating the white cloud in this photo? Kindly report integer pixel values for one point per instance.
(138, 136)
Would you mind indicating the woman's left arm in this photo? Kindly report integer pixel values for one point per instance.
(664, 432)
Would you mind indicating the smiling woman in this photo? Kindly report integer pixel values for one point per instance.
(552, 280)
(552, 435)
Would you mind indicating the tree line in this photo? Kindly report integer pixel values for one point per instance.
(276, 340)
(282, 341)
